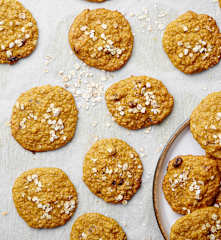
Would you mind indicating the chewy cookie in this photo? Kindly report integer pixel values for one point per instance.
(192, 42)
(205, 124)
(96, 226)
(18, 32)
(44, 197)
(112, 170)
(44, 118)
(138, 102)
(191, 182)
(202, 224)
(102, 39)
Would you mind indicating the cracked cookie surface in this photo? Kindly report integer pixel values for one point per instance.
(138, 102)
(93, 226)
(44, 197)
(191, 182)
(112, 170)
(44, 118)
(102, 39)
(18, 32)
(193, 42)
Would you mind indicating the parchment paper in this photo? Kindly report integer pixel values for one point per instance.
(54, 19)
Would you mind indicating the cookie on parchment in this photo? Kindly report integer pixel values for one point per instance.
(102, 39)
(191, 182)
(96, 226)
(205, 124)
(193, 42)
(44, 197)
(44, 118)
(18, 32)
(138, 102)
(112, 170)
(202, 224)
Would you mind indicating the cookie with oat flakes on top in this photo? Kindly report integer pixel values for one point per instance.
(44, 118)
(138, 102)
(44, 197)
(18, 32)
(96, 226)
(205, 124)
(112, 170)
(191, 182)
(193, 42)
(102, 39)
(202, 224)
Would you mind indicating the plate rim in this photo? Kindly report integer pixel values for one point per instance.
(163, 154)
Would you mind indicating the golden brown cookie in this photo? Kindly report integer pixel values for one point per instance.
(44, 118)
(202, 224)
(205, 124)
(18, 32)
(191, 182)
(138, 102)
(192, 42)
(102, 39)
(44, 197)
(94, 226)
(112, 170)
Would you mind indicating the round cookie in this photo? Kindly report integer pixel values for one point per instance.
(192, 42)
(202, 224)
(112, 170)
(102, 39)
(18, 32)
(138, 102)
(44, 197)
(44, 118)
(93, 226)
(191, 182)
(205, 124)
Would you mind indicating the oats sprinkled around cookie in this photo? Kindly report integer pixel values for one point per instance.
(96, 226)
(191, 182)
(193, 42)
(18, 32)
(102, 39)
(44, 118)
(204, 223)
(112, 170)
(44, 197)
(138, 102)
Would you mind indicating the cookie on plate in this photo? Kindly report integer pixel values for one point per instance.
(204, 223)
(112, 170)
(205, 124)
(138, 102)
(192, 42)
(96, 226)
(44, 118)
(18, 32)
(191, 182)
(102, 39)
(44, 197)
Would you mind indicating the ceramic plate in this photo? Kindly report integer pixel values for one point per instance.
(181, 143)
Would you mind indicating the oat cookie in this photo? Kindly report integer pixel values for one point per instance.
(93, 226)
(138, 102)
(202, 224)
(102, 39)
(191, 182)
(44, 197)
(18, 32)
(112, 170)
(192, 42)
(44, 118)
(205, 124)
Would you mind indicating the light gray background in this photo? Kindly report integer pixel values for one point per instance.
(54, 18)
